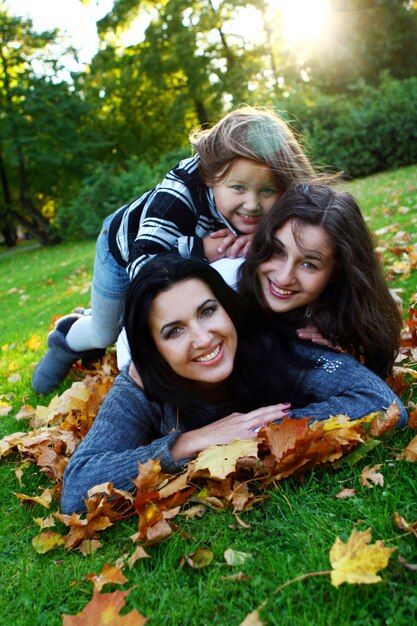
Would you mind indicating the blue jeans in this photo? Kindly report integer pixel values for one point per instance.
(110, 282)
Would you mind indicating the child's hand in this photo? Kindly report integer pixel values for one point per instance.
(239, 247)
(313, 334)
(211, 249)
(231, 246)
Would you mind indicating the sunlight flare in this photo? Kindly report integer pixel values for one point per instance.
(303, 19)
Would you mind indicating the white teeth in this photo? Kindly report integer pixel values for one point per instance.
(249, 215)
(281, 292)
(208, 357)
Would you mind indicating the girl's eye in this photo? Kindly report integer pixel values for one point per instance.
(238, 187)
(309, 265)
(278, 251)
(269, 191)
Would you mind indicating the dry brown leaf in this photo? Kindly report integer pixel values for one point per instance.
(149, 476)
(104, 610)
(200, 558)
(45, 522)
(239, 577)
(32, 499)
(412, 420)
(197, 510)
(384, 421)
(25, 412)
(89, 546)
(410, 451)
(402, 524)
(236, 557)
(346, 493)
(240, 497)
(252, 619)
(139, 553)
(410, 566)
(371, 475)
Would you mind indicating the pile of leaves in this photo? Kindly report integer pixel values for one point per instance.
(233, 476)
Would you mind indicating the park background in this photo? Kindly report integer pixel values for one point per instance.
(85, 131)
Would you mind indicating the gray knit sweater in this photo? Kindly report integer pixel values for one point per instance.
(130, 428)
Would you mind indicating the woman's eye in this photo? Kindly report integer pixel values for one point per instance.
(269, 191)
(173, 332)
(207, 311)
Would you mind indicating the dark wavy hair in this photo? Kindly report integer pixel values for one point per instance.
(157, 276)
(356, 309)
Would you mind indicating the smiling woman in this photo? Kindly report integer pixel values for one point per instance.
(197, 338)
(207, 369)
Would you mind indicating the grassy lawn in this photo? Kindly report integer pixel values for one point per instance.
(288, 535)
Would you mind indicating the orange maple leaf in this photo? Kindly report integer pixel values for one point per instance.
(108, 575)
(104, 610)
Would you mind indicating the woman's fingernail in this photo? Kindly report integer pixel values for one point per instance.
(286, 410)
(286, 404)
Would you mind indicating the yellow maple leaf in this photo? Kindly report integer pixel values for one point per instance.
(34, 343)
(355, 561)
(46, 541)
(219, 461)
(5, 408)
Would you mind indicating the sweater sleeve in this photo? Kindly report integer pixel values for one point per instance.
(129, 429)
(339, 384)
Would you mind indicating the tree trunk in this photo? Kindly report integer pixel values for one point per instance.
(8, 228)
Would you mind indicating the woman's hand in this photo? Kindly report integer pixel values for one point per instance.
(234, 426)
(313, 334)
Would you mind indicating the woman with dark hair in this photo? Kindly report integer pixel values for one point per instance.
(200, 370)
(312, 260)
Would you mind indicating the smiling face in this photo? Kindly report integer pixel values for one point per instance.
(297, 273)
(193, 332)
(246, 194)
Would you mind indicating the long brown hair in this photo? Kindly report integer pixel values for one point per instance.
(356, 309)
(252, 133)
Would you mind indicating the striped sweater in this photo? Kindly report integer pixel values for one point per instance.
(177, 214)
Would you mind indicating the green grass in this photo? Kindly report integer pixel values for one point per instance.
(290, 534)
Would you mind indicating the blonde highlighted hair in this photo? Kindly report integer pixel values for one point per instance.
(257, 134)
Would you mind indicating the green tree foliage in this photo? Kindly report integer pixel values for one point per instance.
(41, 146)
(109, 187)
(372, 129)
(365, 37)
(190, 66)
(74, 148)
